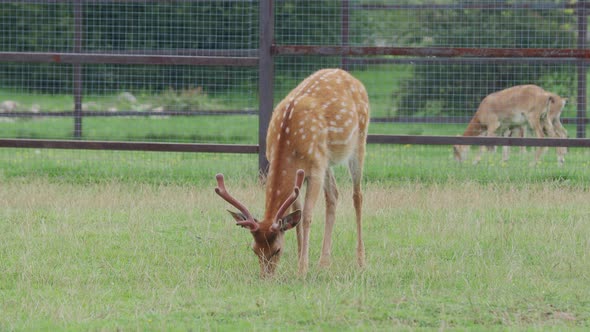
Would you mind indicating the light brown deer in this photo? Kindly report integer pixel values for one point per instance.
(511, 109)
(552, 127)
(322, 122)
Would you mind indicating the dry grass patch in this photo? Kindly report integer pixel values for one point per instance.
(135, 256)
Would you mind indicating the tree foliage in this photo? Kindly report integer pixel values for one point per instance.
(457, 89)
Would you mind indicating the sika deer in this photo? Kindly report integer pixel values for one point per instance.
(322, 122)
(513, 108)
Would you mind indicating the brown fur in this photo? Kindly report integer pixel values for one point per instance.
(322, 122)
(513, 109)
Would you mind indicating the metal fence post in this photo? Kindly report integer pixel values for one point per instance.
(77, 77)
(581, 70)
(344, 30)
(265, 79)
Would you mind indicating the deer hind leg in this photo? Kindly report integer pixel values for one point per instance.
(556, 130)
(314, 186)
(331, 193)
(561, 133)
(355, 165)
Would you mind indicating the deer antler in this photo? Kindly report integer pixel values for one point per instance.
(298, 182)
(222, 192)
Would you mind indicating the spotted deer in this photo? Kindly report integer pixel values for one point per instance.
(320, 123)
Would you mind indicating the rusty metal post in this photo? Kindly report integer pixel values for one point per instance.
(78, 25)
(344, 30)
(265, 79)
(581, 69)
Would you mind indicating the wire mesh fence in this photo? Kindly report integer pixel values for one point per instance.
(189, 71)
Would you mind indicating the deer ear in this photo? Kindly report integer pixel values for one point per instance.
(289, 221)
(238, 216)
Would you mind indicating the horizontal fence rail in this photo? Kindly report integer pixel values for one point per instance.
(169, 113)
(127, 59)
(126, 146)
(172, 113)
(487, 141)
(252, 149)
(335, 50)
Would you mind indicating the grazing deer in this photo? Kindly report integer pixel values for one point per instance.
(322, 122)
(552, 124)
(512, 109)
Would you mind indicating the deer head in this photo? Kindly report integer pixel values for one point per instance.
(268, 241)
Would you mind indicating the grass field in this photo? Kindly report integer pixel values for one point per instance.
(117, 255)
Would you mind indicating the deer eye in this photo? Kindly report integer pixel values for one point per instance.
(276, 252)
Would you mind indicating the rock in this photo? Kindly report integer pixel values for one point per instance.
(8, 106)
(128, 97)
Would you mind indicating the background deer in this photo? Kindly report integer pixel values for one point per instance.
(322, 122)
(514, 109)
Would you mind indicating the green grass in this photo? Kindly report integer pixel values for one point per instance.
(384, 163)
(128, 256)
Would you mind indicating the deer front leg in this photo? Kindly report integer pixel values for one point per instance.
(535, 123)
(331, 193)
(491, 132)
(505, 148)
(314, 186)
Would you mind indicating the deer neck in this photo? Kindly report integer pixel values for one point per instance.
(474, 128)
